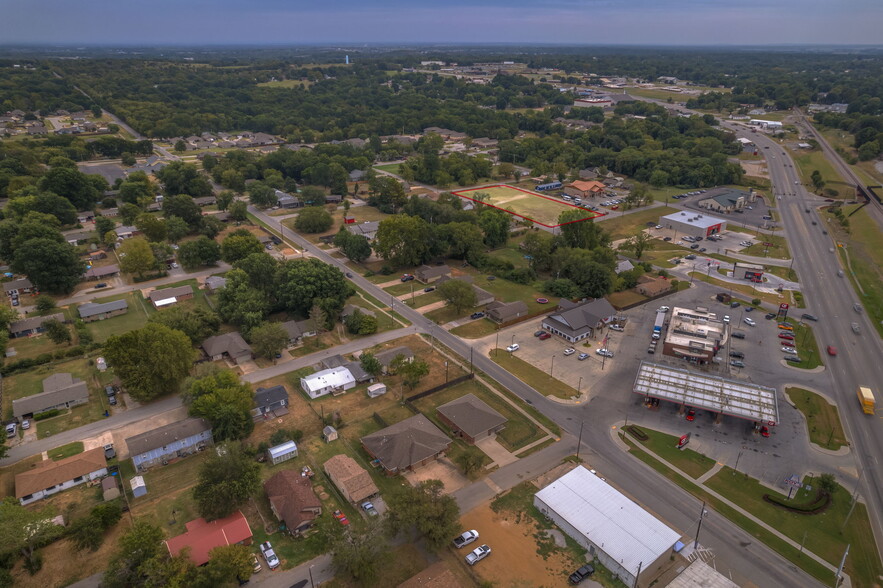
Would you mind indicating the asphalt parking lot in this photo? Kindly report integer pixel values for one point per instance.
(752, 217)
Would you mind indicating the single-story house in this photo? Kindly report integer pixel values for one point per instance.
(431, 273)
(109, 213)
(333, 199)
(78, 238)
(651, 286)
(126, 232)
(205, 201)
(484, 143)
(18, 286)
(333, 361)
(357, 175)
(59, 391)
(170, 296)
(503, 312)
(288, 201)
(297, 330)
(96, 273)
(386, 357)
(203, 536)
(215, 283)
(270, 402)
(169, 441)
(624, 266)
(575, 321)
(406, 445)
(353, 481)
(96, 255)
(588, 174)
(367, 229)
(292, 500)
(333, 381)
(471, 419)
(49, 477)
(95, 311)
(584, 189)
(282, 452)
(358, 372)
(32, 325)
(229, 345)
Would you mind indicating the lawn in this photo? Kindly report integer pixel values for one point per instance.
(539, 380)
(808, 161)
(807, 349)
(501, 289)
(286, 84)
(745, 290)
(198, 293)
(392, 168)
(778, 249)
(665, 446)
(475, 329)
(628, 224)
(810, 566)
(65, 450)
(541, 209)
(519, 431)
(822, 418)
(826, 534)
(135, 318)
(512, 254)
(30, 347)
(665, 193)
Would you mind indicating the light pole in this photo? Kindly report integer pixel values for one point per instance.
(446, 372)
(580, 440)
(312, 585)
(580, 385)
(552, 367)
(702, 514)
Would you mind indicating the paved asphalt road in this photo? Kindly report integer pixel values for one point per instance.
(738, 553)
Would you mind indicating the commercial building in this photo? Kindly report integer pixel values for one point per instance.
(626, 539)
(766, 124)
(719, 395)
(575, 321)
(694, 335)
(693, 223)
(727, 201)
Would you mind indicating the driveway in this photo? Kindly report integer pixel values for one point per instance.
(499, 454)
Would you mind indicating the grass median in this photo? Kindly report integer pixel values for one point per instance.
(822, 418)
(536, 379)
(688, 461)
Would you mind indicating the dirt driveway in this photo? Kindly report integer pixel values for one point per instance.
(514, 561)
(441, 469)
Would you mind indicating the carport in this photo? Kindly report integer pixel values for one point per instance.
(713, 393)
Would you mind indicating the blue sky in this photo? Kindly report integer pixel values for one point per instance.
(668, 22)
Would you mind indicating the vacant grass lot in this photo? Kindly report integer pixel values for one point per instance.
(621, 226)
(475, 329)
(136, 317)
(665, 446)
(808, 161)
(822, 418)
(544, 210)
(527, 373)
(392, 168)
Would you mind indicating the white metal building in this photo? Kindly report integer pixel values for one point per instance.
(695, 224)
(624, 537)
(329, 381)
(697, 390)
(283, 452)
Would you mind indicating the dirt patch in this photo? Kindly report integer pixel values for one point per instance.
(441, 469)
(514, 561)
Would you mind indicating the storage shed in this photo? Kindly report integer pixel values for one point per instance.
(138, 486)
(284, 452)
(375, 390)
(329, 433)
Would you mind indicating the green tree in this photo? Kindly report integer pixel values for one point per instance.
(103, 225)
(184, 207)
(225, 402)
(135, 549)
(176, 229)
(129, 212)
(226, 481)
(355, 247)
(816, 179)
(71, 184)
(197, 323)
(225, 199)
(24, 530)
(44, 304)
(302, 283)
(828, 483)
(459, 294)
(427, 508)
(238, 245)
(261, 269)
(495, 225)
(153, 228)
(313, 219)
(151, 361)
(128, 159)
(199, 253)
(638, 244)
(136, 257)
(88, 532)
(240, 304)
(370, 363)
(180, 146)
(412, 371)
(57, 331)
(238, 211)
(226, 565)
(184, 178)
(465, 240)
(51, 266)
(360, 553)
(402, 240)
(313, 196)
(261, 195)
(268, 340)
(580, 232)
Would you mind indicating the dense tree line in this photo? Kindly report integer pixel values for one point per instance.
(866, 129)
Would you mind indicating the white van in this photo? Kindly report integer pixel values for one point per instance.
(11, 430)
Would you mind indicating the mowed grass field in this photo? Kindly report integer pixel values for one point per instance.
(541, 209)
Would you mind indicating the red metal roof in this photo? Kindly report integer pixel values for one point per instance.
(203, 536)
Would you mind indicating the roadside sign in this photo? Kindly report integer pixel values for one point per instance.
(768, 245)
(783, 307)
(682, 442)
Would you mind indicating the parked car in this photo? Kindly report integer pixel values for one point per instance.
(737, 363)
(581, 574)
(429, 289)
(406, 277)
(764, 431)
(734, 304)
(749, 309)
(109, 390)
(538, 333)
(11, 430)
(112, 400)
(341, 517)
(727, 319)
(101, 285)
(569, 351)
(809, 317)
(663, 309)
(269, 555)
(465, 539)
(691, 415)
(615, 327)
(769, 316)
(478, 554)
(738, 335)
(26, 424)
(737, 354)
(783, 327)
(582, 356)
(513, 347)
(476, 315)
(604, 351)
(792, 358)
(349, 275)
(789, 350)
(749, 322)
(690, 257)
(368, 507)
(255, 563)
(545, 336)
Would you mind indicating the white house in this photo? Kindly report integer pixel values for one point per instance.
(49, 477)
(624, 537)
(334, 380)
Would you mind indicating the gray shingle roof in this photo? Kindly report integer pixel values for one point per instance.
(406, 443)
(471, 415)
(162, 436)
(33, 322)
(94, 308)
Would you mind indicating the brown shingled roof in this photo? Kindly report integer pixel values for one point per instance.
(50, 473)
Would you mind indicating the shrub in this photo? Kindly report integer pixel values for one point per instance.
(47, 415)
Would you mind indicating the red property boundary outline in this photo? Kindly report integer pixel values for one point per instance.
(594, 214)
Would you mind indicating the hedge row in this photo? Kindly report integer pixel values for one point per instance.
(819, 505)
(28, 363)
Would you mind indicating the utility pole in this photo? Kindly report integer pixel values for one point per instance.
(580, 385)
(552, 367)
(699, 528)
(580, 440)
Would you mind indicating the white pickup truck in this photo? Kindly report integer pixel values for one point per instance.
(478, 554)
(465, 539)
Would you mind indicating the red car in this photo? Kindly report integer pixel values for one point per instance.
(832, 351)
(545, 336)
(341, 517)
(691, 415)
(764, 431)
(786, 336)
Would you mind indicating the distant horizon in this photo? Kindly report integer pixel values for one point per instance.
(682, 23)
(350, 45)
